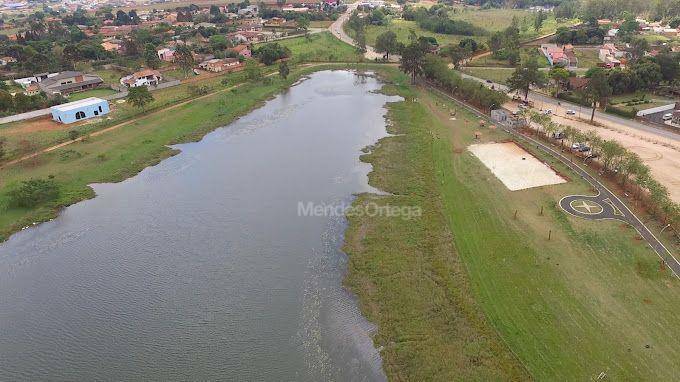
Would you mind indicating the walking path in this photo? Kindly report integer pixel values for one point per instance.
(589, 206)
(338, 31)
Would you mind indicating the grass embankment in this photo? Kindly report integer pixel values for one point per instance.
(592, 299)
(123, 152)
(102, 92)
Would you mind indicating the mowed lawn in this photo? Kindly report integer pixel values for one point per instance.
(101, 92)
(497, 75)
(403, 28)
(592, 299)
(496, 19)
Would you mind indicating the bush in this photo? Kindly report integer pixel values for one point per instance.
(622, 112)
(31, 193)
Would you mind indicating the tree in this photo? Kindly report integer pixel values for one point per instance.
(412, 60)
(269, 53)
(31, 193)
(457, 54)
(386, 43)
(185, 59)
(151, 57)
(252, 69)
(139, 96)
(303, 23)
(647, 72)
(538, 21)
(3, 142)
(214, 10)
(559, 77)
(469, 44)
(638, 47)
(669, 64)
(284, 70)
(6, 101)
(612, 151)
(597, 91)
(525, 76)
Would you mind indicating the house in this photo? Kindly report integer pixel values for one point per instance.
(247, 36)
(7, 60)
(610, 55)
(217, 65)
(112, 30)
(111, 46)
(242, 50)
(146, 77)
(562, 56)
(249, 11)
(166, 54)
(79, 110)
(65, 83)
(32, 89)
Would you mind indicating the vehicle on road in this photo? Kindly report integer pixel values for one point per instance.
(571, 112)
(667, 116)
(547, 111)
(489, 81)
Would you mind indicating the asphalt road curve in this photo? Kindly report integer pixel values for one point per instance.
(595, 207)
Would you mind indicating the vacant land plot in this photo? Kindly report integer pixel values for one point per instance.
(516, 168)
(525, 53)
(101, 92)
(320, 47)
(497, 75)
(403, 28)
(587, 57)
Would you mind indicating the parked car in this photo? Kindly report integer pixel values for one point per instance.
(584, 149)
(571, 112)
(489, 81)
(547, 111)
(667, 116)
(558, 135)
(575, 146)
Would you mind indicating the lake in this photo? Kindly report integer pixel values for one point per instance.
(202, 267)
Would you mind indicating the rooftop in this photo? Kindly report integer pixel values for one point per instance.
(78, 104)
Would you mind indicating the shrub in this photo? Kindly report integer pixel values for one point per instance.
(31, 193)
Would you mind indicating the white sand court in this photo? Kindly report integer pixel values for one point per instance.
(516, 168)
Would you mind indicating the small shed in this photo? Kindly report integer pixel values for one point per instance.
(79, 110)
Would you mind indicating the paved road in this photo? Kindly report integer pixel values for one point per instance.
(604, 194)
(544, 102)
(337, 31)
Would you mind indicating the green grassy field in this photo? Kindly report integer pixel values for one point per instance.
(497, 75)
(525, 52)
(496, 19)
(402, 29)
(320, 47)
(626, 101)
(101, 92)
(587, 58)
(590, 300)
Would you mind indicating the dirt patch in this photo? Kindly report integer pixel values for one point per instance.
(516, 168)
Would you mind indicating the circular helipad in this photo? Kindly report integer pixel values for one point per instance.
(594, 207)
(588, 207)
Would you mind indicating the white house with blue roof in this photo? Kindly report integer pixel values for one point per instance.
(79, 110)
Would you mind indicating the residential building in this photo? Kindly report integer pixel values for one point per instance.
(65, 83)
(242, 50)
(560, 55)
(166, 54)
(32, 89)
(217, 65)
(249, 11)
(7, 60)
(80, 110)
(610, 55)
(146, 77)
(246, 37)
(111, 46)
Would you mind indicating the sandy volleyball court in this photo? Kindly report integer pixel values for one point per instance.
(516, 168)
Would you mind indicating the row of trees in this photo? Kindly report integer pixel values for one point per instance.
(435, 69)
(626, 166)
